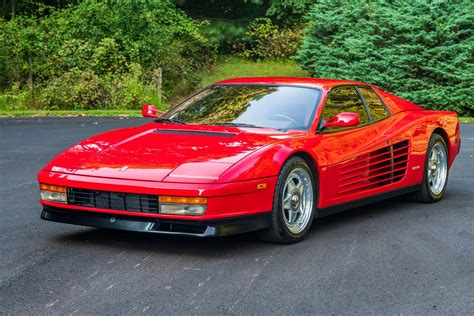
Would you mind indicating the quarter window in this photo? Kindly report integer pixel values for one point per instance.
(375, 105)
(345, 99)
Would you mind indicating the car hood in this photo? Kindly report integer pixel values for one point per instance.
(164, 152)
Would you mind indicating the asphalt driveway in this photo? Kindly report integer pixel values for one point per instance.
(388, 258)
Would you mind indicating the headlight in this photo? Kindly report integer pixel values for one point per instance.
(182, 205)
(53, 193)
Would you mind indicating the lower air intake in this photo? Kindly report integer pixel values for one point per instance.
(143, 203)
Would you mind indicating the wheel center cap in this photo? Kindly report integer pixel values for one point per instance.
(295, 201)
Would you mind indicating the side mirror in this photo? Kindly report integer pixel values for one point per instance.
(149, 110)
(344, 119)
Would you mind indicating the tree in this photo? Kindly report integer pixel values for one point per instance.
(421, 50)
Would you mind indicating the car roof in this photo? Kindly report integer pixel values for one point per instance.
(297, 81)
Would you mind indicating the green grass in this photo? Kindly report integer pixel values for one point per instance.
(466, 119)
(69, 113)
(233, 67)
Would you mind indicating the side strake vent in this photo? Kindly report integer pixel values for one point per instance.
(378, 168)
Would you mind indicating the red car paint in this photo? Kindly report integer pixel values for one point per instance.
(344, 119)
(230, 171)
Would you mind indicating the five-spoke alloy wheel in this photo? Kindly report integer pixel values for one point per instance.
(435, 177)
(294, 203)
(297, 201)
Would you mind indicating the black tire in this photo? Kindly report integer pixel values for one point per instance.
(425, 194)
(278, 232)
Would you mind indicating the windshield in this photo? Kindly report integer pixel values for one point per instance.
(278, 107)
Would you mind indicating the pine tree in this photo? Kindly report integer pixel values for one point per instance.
(419, 50)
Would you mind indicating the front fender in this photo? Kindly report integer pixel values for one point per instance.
(268, 160)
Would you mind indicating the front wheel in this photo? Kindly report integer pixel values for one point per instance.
(435, 177)
(293, 203)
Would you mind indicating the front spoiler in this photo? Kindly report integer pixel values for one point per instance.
(208, 228)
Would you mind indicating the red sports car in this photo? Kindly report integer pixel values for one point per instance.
(263, 154)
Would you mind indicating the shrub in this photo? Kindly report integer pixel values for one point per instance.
(84, 90)
(267, 40)
(15, 99)
(288, 11)
(97, 54)
(226, 35)
(74, 90)
(422, 51)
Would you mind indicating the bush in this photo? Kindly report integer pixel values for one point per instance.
(15, 99)
(288, 11)
(74, 90)
(227, 35)
(266, 40)
(99, 54)
(422, 51)
(84, 90)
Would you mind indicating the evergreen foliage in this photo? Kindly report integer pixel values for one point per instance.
(420, 50)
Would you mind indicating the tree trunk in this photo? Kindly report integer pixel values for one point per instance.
(159, 79)
(30, 81)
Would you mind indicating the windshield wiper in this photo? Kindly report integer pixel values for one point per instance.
(245, 125)
(169, 120)
(237, 125)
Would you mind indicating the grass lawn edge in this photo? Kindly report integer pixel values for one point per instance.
(71, 113)
(105, 113)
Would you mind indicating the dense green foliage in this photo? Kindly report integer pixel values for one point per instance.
(422, 50)
(227, 36)
(288, 11)
(246, 26)
(282, 11)
(99, 55)
(266, 40)
(81, 55)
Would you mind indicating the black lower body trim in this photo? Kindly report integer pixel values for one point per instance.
(209, 228)
(372, 199)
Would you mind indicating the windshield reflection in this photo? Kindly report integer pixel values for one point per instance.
(278, 107)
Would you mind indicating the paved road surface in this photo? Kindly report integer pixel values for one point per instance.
(388, 258)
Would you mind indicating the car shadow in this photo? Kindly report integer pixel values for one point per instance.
(215, 247)
(364, 213)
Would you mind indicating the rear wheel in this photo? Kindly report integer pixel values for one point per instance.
(435, 177)
(293, 203)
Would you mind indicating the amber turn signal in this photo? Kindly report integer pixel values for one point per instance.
(182, 200)
(52, 188)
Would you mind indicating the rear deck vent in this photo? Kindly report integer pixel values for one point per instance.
(375, 169)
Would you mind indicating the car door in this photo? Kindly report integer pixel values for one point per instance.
(353, 159)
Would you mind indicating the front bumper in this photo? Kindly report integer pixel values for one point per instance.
(200, 228)
(225, 200)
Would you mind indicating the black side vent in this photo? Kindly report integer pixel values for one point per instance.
(199, 133)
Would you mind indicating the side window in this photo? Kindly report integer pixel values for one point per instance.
(375, 105)
(345, 99)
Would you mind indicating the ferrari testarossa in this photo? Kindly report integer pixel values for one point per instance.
(254, 154)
